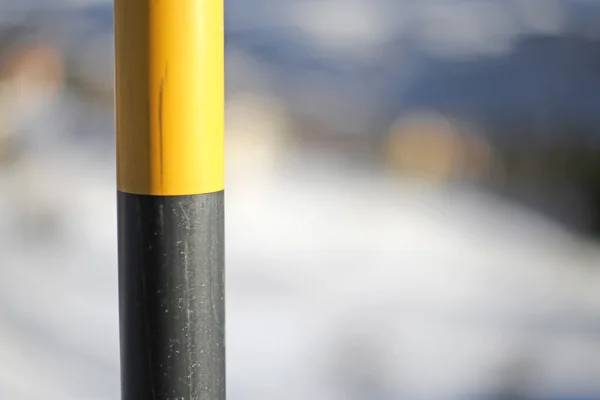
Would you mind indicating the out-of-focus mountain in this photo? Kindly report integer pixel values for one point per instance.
(356, 64)
(353, 63)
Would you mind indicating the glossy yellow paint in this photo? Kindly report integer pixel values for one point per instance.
(169, 96)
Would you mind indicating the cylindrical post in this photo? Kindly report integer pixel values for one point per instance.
(169, 111)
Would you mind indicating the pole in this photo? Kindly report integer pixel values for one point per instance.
(170, 117)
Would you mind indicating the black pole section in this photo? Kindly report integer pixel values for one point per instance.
(172, 296)
(170, 118)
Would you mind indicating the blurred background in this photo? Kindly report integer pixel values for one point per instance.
(413, 200)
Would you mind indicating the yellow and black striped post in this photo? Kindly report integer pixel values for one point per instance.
(170, 117)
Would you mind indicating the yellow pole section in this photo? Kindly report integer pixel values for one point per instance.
(169, 96)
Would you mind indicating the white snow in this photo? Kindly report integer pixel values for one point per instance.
(440, 285)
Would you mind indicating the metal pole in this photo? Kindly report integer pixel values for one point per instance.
(169, 111)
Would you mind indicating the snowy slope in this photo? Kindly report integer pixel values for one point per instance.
(445, 282)
(437, 286)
